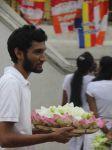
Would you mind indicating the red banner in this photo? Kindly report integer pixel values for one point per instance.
(64, 13)
(32, 12)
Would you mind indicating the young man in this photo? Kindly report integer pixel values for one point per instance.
(26, 47)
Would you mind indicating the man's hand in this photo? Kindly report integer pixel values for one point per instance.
(63, 135)
(11, 138)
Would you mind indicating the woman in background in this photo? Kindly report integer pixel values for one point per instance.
(74, 88)
(99, 97)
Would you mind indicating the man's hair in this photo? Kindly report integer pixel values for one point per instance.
(22, 39)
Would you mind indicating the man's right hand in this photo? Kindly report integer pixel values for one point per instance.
(63, 135)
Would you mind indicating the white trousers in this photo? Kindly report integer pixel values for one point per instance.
(76, 142)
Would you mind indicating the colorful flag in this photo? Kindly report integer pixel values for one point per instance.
(92, 29)
(63, 14)
(37, 0)
(32, 12)
(19, 1)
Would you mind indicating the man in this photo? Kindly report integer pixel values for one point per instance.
(26, 47)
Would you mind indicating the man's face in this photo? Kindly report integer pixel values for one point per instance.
(35, 57)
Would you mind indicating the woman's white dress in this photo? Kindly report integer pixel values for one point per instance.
(76, 142)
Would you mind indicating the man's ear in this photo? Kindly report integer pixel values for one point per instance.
(19, 54)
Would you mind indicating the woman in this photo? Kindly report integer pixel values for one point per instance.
(99, 96)
(74, 88)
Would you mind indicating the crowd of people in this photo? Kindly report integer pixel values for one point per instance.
(89, 87)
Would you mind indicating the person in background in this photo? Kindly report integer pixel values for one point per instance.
(99, 97)
(74, 88)
(26, 47)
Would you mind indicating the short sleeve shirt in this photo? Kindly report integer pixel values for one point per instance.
(15, 98)
(102, 93)
(67, 88)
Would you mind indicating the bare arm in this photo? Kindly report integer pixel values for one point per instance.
(92, 105)
(9, 137)
(64, 98)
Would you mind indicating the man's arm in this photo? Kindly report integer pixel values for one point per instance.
(9, 137)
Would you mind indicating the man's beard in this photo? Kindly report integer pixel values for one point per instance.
(28, 66)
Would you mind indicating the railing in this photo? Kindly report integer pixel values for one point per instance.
(13, 4)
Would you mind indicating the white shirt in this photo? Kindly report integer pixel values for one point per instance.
(102, 92)
(67, 88)
(15, 98)
(76, 142)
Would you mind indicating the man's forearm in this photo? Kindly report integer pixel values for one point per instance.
(19, 140)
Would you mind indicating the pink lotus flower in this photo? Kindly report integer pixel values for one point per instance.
(100, 122)
(63, 120)
(65, 116)
(36, 118)
(76, 124)
(48, 121)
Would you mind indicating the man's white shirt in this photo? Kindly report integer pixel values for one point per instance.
(15, 99)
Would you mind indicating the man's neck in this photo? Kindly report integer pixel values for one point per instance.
(21, 70)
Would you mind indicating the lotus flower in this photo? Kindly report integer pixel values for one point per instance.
(101, 142)
(66, 115)
(100, 122)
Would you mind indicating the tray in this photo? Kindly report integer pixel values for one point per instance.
(75, 131)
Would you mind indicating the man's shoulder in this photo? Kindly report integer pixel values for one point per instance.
(8, 79)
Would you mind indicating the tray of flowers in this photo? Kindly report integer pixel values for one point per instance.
(51, 118)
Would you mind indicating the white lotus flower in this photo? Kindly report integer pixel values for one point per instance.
(77, 112)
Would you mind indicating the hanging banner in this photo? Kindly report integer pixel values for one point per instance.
(19, 1)
(37, 0)
(93, 24)
(32, 12)
(101, 10)
(63, 14)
